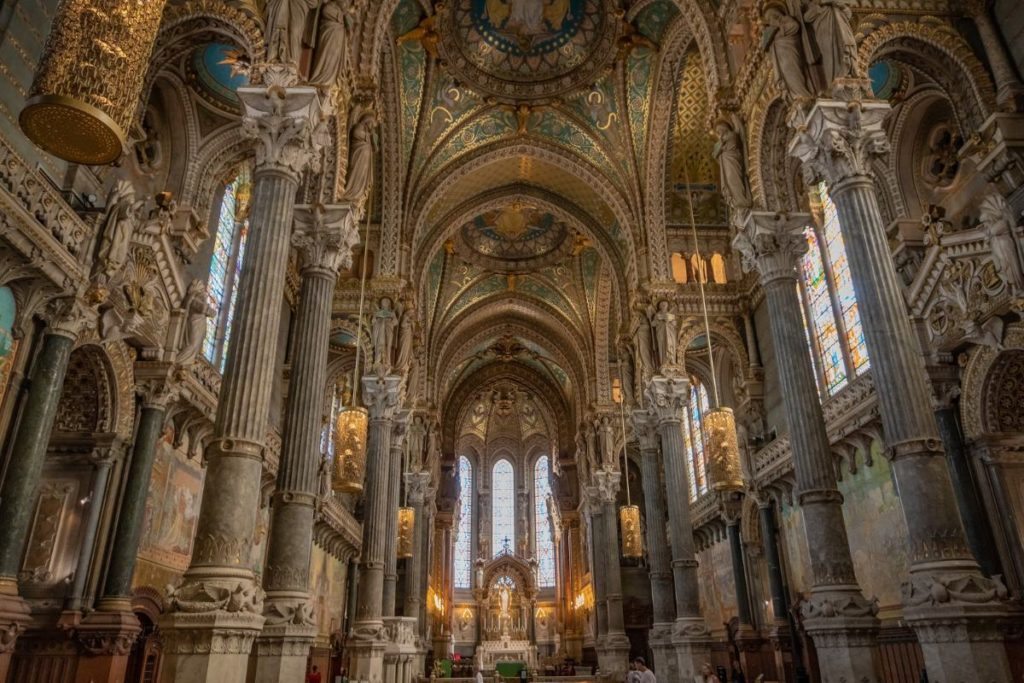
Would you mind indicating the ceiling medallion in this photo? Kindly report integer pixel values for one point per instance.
(516, 237)
(518, 50)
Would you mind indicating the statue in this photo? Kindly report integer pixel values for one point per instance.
(406, 333)
(626, 375)
(730, 155)
(124, 213)
(197, 310)
(666, 327)
(644, 343)
(360, 154)
(331, 46)
(997, 220)
(505, 598)
(382, 335)
(781, 39)
(833, 36)
(286, 21)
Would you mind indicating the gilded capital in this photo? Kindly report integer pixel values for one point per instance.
(772, 243)
(839, 139)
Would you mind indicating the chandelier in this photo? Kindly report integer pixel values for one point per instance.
(629, 514)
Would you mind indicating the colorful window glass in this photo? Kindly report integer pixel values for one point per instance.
(693, 435)
(226, 265)
(503, 508)
(823, 318)
(542, 524)
(463, 574)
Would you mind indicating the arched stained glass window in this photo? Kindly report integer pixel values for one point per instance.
(693, 433)
(835, 248)
(463, 574)
(503, 508)
(542, 524)
(226, 265)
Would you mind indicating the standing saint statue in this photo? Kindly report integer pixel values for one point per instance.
(197, 310)
(360, 159)
(781, 39)
(833, 36)
(666, 333)
(1007, 255)
(644, 344)
(382, 335)
(124, 214)
(406, 334)
(331, 46)
(732, 167)
(286, 21)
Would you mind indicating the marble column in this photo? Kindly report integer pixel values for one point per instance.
(780, 634)
(953, 608)
(24, 470)
(400, 425)
(668, 396)
(614, 653)
(108, 632)
(658, 560)
(838, 618)
(323, 237)
(214, 616)
(416, 484)
(368, 637)
(1009, 90)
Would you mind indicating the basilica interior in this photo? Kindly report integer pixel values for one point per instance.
(386, 340)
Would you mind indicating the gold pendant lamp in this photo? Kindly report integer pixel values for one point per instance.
(87, 86)
(406, 519)
(629, 514)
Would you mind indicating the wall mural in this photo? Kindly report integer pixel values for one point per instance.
(717, 592)
(794, 546)
(515, 232)
(327, 578)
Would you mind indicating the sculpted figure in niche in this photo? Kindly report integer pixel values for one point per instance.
(833, 36)
(732, 167)
(406, 333)
(997, 220)
(781, 39)
(666, 326)
(286, 21)
(124, 214)
(360, 160)
(197, 310)
(331, 46)
(626, 375)
(644, 343)
(382, 335)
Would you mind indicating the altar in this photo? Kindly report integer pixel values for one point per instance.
(505, 597)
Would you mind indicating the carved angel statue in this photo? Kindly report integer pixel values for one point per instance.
(781, 39)
(286, 22)
(833, 36)
(382, 335)
(197, 310)
(124, 214)
(666, 333)
(729, 151)
(360, 160)
(406, 337)
(331, 61)
(1007, 255)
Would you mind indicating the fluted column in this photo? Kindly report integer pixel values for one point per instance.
(323, 237)
(214, 616)
(400, 425)
(25, 467)
(668, 397)
(614, 653)
(658, 559)
(951, 606)
(416, 486)
(598, 569)
(1009, 90)
(380, 394)
(838, 618)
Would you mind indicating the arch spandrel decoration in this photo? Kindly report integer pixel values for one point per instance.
(988, 376)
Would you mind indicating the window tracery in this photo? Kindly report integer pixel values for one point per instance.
(503, 508)
(693, 434)
(542, 524)
(463, 570)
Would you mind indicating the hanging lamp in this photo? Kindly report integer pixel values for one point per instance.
(720, 442)
(406, 519)
(629, 514)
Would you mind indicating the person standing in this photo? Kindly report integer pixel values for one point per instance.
(314, 675)
(479, 676)
(646, 675)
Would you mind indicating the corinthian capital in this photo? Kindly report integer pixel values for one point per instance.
(381, 395)
(417, 484)
(324, 236)
(645, 426)
(285, 124)
(69, 317)
(606, 485)
(772, 243)
(839, 138)
(668, 398)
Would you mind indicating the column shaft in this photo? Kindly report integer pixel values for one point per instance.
(598, 567)
(90, 527)
(1009, 90)
(739, 574)
(391, 529)
(780, 602)
(658, 559)
(613, 571)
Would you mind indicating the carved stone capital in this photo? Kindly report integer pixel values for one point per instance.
(380, 394)
(772, 243)
(606, 485)
(324, 237)
(104, 632)
(69, 317)
(206, 597)
(839, 139)
(645, 426)
(291, 609)
(399, 430)
(668, 398)
(284, 123)
(417, 484)
(156, 384)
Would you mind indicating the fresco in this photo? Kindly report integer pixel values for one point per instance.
(8, 344)
(327, 578)
(652, 20)
(877, 530)
(515, 232)
(213, 68)
(717, 593)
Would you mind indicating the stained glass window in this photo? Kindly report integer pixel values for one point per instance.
(226, 265)
(693, 435)
(542, 524)
(503, 508)
(823, 318)
(464, 536)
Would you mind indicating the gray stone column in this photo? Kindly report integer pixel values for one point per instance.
(953, 608)
(784, 645)
(838, 618)
(215, 615)
(324, 237)
(400, 425)
(613, 655)
(416, 484)
(1009, 90)
(658, 560)
(598, 568)
(380, 394)
(28, 451)
(668, 397)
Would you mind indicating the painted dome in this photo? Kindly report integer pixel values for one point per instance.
(515, 237)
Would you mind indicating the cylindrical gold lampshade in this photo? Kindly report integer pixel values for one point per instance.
(632, 540)
(406, 524)
(350, 450)
(723, 450)
(87, 87)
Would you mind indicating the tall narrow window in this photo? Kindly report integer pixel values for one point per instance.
(693, 434)
(823, 318)
(503, 508)
(542, 524)
(463, 574)
(226, 265)
(835, 248)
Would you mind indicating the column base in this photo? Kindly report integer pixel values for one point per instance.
(748, 642)
(782, 650)
(401, 649)
(282, 651)
(208, 647)
(613, 656)
(367, 645)
(15, 615)
(692, 644)
(664, 664)
(844, 629)
(106, 636)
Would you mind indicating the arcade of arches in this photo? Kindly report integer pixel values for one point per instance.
(540, 249)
